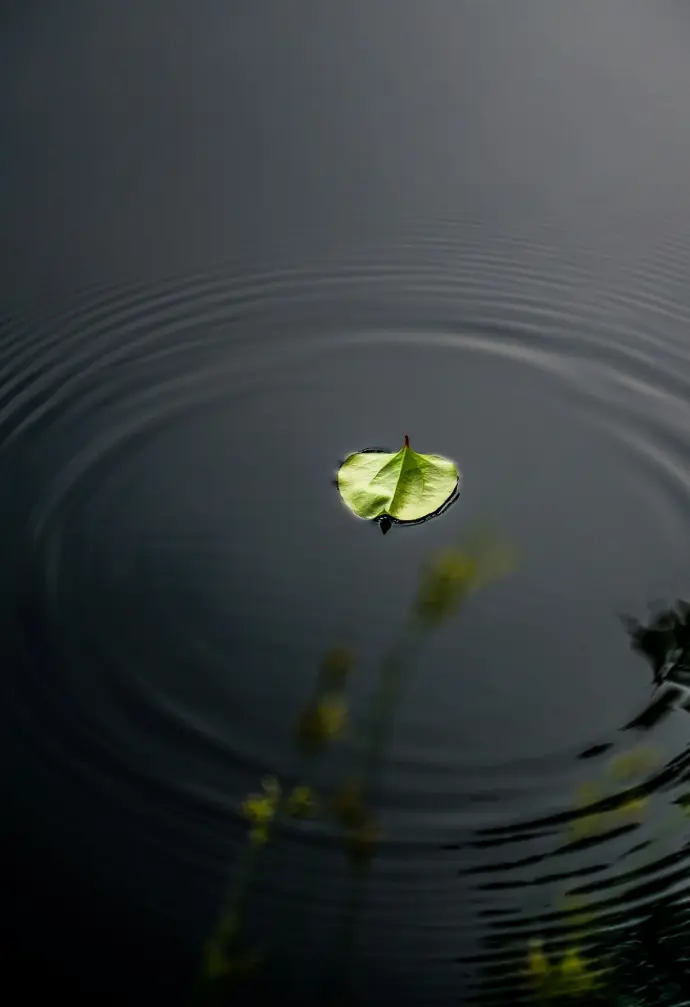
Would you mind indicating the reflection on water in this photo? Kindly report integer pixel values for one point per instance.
(622, 937)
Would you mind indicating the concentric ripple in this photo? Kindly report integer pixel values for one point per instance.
(178, 561)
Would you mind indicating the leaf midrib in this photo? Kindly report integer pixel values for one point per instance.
(406, 453)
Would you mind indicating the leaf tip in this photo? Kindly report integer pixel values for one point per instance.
(407, 441)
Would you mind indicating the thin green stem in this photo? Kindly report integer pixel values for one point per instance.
(392, 677)
(399, 658)
(231, 912)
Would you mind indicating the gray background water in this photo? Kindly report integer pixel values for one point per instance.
(257, 236)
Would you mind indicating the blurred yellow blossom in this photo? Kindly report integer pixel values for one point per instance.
(322, 720)
(301, 803)
(580, 915)
(587, 825)
(260, 809)
(453, 574)
(574, 974)
(628, 808)
(635, 762)
(577, 975)
(537, 963)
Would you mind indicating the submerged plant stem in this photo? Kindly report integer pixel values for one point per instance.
(230, 917)
(392, 678)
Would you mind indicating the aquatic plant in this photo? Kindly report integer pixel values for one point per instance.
(324, 717)
(223, 955)
(634, 763)
(611, 808)
(619, 809)
(302, 802)
(572, 976)
(261, 809)
(452, 575)
(445, 583)
(220, 960)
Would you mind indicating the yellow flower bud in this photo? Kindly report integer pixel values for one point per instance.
(455, 573)
(301, 803)
(577, 975)
(636, 762)
(588, 825)
(259, 835)
(537, 963)
(572, 964)
(323, 720)
(261, 809)
(444, 585)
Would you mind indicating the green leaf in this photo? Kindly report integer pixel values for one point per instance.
(405, 486)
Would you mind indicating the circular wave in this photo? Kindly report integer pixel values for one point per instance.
(181, 560)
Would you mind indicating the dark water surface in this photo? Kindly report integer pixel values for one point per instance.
(240, 241)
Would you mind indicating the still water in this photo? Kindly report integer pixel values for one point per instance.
(239, 242)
